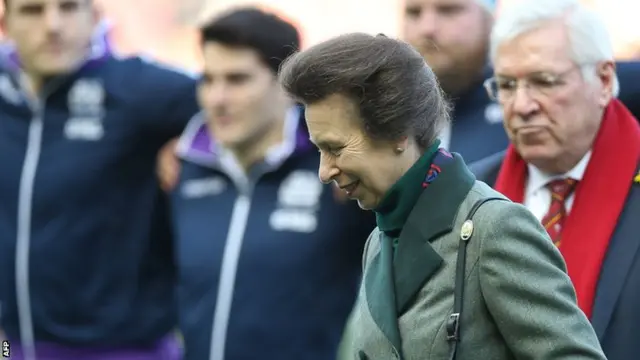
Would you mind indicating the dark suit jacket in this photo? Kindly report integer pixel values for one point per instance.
(616, 311)
(629, 77)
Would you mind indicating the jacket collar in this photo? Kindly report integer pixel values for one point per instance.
(197, 146)
(100, 49)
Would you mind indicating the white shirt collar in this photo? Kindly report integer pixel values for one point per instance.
(539, 179)
(278, 153)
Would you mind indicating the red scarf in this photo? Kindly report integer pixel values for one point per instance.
(598, 201)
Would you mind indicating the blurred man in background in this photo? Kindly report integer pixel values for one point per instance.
(85, 248)
(574, 158)
(453, 37)
(269, 262)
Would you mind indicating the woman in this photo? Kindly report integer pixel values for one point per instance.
(374, 109)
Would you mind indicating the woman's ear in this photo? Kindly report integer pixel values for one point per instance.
(401, 145)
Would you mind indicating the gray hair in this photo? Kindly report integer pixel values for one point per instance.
(588, 35)
(396, 92)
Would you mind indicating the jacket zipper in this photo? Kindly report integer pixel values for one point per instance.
(229, 267)
(227, 279)
(25, 204)
(23, 241)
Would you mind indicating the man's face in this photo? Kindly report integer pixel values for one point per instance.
(450, 34)
(551, 113)
(238, 93)
(51, 36)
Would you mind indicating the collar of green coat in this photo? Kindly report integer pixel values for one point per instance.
(391, 286)
(433, 215)
(397, 203)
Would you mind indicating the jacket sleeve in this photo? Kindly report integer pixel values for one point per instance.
(181, 106)
(526, 288)
(171, 93)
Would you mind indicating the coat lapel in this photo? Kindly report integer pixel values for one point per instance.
(622, 250)
(392, 283)
(380, 291)
(434, 215)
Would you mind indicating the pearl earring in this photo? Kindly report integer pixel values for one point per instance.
(399, 150)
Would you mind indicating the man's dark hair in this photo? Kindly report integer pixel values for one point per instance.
(273, 38)
(396, 91)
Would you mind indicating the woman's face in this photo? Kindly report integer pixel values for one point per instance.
(362, 167)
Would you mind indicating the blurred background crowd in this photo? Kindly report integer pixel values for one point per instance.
(167, 29)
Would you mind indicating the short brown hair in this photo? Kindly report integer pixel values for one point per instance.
(272, 37)
(397, 92)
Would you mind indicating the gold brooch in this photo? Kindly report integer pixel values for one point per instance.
(636, 179)
(466, 230)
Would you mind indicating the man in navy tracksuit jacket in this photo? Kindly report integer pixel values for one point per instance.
(269, 261)
(86, 263)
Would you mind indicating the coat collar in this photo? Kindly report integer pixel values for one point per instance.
(433, 216)
(394, 208)
(391, 285)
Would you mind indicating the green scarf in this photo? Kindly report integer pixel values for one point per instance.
(396, 205)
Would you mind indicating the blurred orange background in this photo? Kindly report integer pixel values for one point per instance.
(165, 29)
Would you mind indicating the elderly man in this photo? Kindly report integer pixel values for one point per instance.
(453, 37)
(574, 157)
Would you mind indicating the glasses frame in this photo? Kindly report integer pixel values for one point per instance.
(555, 81)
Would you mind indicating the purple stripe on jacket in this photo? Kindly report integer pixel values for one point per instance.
(167, 348)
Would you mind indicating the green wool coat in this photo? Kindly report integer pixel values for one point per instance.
(518, 302)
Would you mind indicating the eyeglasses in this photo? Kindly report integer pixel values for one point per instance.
(539, 84)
